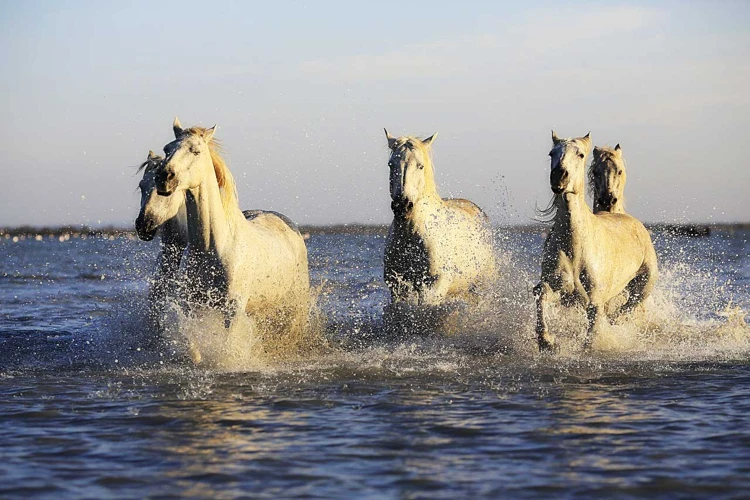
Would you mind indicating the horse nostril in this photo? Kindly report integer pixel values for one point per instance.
(170, 175)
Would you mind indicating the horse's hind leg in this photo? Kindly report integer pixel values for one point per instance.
(595, 315)
(638, 290)
(544, 339)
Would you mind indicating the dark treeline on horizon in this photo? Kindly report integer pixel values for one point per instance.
(27, 231)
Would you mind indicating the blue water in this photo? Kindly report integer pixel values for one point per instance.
(91, 407)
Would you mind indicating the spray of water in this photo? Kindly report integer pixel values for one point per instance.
(690, 316)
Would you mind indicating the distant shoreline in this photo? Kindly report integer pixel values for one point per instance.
(68, 231)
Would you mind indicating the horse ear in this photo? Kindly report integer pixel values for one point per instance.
(555, 139)
(209, 133)
(587, 138)
(391, 139)
(177, 128)
(618, 148)
(151, 155)
(428, 141)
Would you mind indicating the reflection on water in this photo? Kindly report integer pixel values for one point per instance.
(92, 406)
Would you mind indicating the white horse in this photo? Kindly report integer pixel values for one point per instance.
(258, 266)
(589, 258)
(436, 248)
(166, 214)
(607, 178)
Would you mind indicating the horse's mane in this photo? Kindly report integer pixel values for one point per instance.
(547, 214)
(223, 176)
(154, 160)
(409, 142)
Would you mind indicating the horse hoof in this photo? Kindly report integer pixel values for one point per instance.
(195, 356)
(547, 346)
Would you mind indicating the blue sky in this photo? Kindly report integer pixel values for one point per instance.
(302, 91)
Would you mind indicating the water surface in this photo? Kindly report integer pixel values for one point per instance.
(90, 407)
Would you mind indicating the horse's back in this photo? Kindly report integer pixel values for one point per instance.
(253, 214)
(273, 241)
(622, 226)
(628, 236)
(467, 206)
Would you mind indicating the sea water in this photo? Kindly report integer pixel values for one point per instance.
(95, 404)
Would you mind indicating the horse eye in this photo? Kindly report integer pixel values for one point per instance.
(195, 151)
(420, 166)
(581, 155)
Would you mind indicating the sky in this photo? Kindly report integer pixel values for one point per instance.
(301, 92)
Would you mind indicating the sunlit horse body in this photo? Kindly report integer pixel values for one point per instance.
(437, 249)
(167, 215)
(258, 266)
(607, 177)
(589, 258)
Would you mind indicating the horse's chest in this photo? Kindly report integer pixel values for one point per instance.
(567, 273)
(407, 259)
(207, 277)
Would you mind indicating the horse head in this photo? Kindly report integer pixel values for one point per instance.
(155, 209)
(411, 172)
(568, 163)
(607, 179)
(188, 158)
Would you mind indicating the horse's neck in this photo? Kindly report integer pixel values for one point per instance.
(430, 190)
(425, 212)
(175, 230)
(573, 217)
(209, 224)
(429, 199)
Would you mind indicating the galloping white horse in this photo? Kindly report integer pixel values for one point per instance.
(436, 249)
(258, 266)
(589, 258)
(165, 213)
(607, 178)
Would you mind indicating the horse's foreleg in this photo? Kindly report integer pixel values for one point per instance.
(541, 295)
(435, 293)
(230, 311)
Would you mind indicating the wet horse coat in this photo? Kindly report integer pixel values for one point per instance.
(257, 266)
(589, 258)
(437, 248)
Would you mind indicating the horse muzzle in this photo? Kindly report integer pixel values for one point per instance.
(401, 207)
(144, 228)
(606, 202)
(558, 180)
